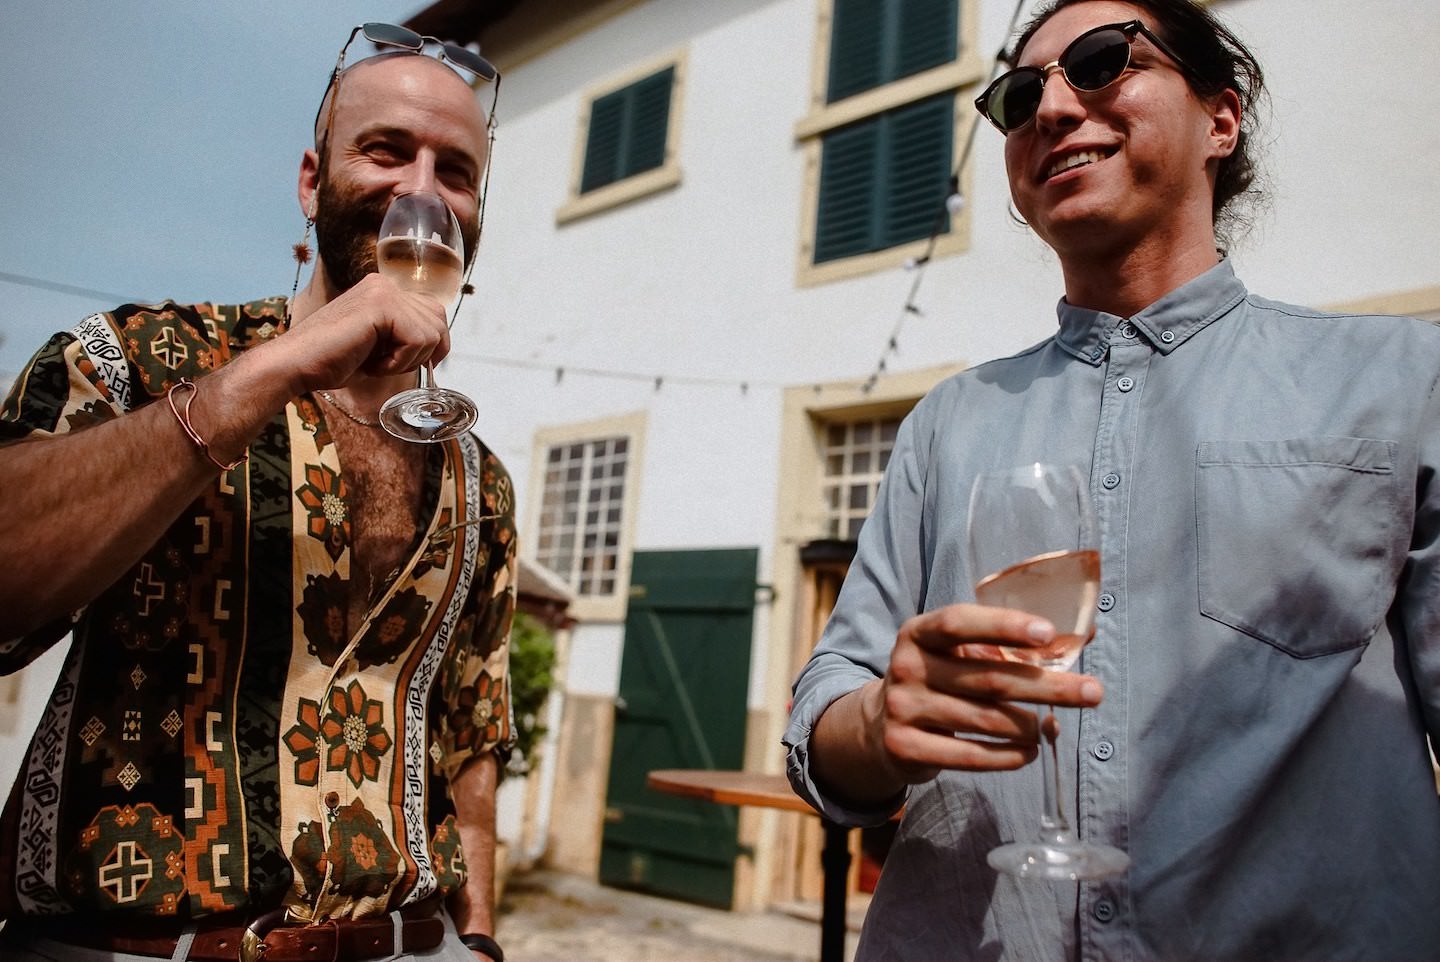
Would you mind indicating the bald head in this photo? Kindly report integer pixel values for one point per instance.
(421, 72)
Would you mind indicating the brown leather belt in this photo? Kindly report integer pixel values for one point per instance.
(348, 940)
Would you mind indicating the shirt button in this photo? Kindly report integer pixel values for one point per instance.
(1128, 331)
(1105, 602)
(1103, 750)
(1125, 383)
(1167, 336)
(1110, 481)
(1095, 354)
(1104, 910)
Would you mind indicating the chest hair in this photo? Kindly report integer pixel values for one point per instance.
(385, 477)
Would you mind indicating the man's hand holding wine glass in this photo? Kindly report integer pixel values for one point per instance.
(375, 328)
(950, 700)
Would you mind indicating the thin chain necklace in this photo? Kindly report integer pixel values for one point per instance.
(362, 421)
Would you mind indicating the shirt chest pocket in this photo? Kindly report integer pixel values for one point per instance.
(1298, 541)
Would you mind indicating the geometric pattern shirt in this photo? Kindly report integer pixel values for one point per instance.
(214, 742)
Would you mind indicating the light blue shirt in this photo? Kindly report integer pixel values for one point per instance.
(1268, 636)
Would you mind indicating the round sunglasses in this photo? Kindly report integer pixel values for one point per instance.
(1093, 61)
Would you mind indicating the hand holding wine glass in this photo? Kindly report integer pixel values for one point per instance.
(1034, 547)
(420, 248)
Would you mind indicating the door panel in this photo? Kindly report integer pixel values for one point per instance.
(684, 676)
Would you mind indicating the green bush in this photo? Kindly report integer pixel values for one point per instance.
(532, 675)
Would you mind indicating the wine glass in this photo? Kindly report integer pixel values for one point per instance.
(1034, 546)
(421, 249)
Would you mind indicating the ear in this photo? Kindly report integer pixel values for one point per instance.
(309, 184)
(1224, 132)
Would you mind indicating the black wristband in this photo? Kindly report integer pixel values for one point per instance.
(483, 943)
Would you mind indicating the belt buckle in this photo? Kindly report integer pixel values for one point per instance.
(252, 940)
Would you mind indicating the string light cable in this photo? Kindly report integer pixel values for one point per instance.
(954, 203)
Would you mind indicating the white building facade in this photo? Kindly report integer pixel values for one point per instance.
(681, 308)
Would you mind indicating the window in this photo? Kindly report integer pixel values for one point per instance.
(583, 496)
(581, 513)
(627, 131)
(883, 181)
(628, 139)
(855, 453)
(881, 135)
(873, 42)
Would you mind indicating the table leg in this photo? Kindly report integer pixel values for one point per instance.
(835, 862)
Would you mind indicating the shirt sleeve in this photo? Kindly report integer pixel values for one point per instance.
(61, 389)
(883, 588)
(476, 715)
(1419, 596)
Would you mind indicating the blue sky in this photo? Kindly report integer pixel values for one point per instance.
(151, 150)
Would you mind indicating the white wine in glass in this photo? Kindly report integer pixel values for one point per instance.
(1059, 586)
(421, 264)
(1034, 545)
(421, 249)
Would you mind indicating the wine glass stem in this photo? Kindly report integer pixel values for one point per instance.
(427, 380)
(1053, 826)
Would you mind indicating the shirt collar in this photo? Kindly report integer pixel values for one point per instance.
(1166, 324)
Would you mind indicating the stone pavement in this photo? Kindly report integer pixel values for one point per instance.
(551, 917)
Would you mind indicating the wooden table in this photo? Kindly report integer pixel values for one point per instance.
(773, 791)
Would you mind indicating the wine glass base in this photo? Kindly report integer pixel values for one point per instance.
(1073, 861)
(428, 415)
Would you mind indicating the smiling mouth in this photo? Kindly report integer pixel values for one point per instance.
(1071, 161)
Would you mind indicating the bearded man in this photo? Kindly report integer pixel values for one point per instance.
(279, 729)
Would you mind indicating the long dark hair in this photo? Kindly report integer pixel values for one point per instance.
(1215, 61)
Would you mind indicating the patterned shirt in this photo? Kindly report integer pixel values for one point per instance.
(1267, 632)
(215, 742)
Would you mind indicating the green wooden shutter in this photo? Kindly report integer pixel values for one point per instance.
(919, 174)
(628, 131)
(875, 42)
(883, 180)
(849, 161)
(924, 35)
(857, 40)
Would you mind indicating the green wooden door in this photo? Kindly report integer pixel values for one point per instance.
(683, 682)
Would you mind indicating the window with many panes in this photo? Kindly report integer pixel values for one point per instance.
(582, 513)
(855, 455)
(882, 130)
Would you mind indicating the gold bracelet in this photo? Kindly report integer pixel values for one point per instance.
(189, 429)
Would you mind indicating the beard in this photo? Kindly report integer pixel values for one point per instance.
(347, 222)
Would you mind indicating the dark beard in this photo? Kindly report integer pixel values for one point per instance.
(346, 225)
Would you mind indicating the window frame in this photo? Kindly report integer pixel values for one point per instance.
(668, 175)
(1423, 302)
(966, 71)
(591, 608)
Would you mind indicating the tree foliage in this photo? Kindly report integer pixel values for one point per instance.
(532, 675)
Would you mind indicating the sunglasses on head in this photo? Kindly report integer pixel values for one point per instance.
(390, 35)
(403, 38)
(1093, 61)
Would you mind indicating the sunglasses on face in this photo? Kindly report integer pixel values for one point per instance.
(1093, 61)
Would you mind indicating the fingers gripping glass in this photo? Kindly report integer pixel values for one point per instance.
(1093, 61)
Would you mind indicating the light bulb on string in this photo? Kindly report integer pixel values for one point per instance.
(955, 203)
